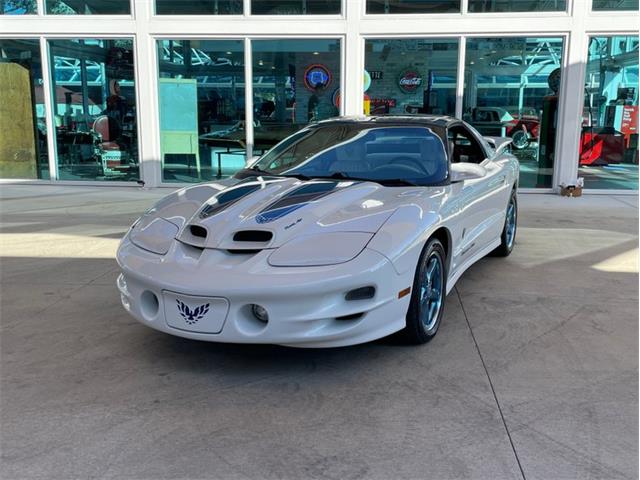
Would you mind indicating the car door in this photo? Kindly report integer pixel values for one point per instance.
(480, 200)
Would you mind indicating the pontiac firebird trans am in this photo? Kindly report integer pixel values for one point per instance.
(347, 231)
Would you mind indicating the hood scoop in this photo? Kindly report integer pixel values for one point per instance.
(253, 236)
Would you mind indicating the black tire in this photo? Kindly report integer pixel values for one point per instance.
(416, 331)
(506, 244)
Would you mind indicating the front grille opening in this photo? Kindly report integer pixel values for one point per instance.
(261, 236)
(353, 316)
(198, 231)
(240, 251)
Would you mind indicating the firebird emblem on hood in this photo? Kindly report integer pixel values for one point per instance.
(192, 316)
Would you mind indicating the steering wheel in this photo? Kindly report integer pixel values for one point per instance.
(403, 159)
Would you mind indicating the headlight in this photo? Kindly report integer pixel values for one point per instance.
(320, 249)
(154, 234)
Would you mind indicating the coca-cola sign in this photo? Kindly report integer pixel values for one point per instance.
(409, 81)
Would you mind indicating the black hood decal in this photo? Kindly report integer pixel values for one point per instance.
(231, 195)
(298, 198)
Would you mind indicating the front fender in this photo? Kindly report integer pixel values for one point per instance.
(403, 236)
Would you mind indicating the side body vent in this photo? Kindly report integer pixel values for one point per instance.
(255, 236)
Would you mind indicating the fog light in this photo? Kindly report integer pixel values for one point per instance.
(260, 313)
(362, 293)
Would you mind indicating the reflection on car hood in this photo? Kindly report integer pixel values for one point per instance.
(284, 207)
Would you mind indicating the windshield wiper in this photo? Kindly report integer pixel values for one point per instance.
(299, 176)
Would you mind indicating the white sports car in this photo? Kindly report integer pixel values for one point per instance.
(349, 230)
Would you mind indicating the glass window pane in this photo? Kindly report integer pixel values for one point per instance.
(615, 5)
(294, 82)
(199, 7)
(295, 7)
(609, 140)
(95, 109)
(23, 142)
(202, 106)
(413, 6)
(18, 7)
(88, 7)
(511, 89)
(410, 76)
(517, 6)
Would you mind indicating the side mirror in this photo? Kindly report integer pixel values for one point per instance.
(499, 144)
(466, 171)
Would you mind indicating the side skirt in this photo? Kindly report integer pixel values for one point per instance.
(453, 278)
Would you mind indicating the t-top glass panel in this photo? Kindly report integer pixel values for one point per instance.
(609, 140)
(410, 76)
(23, 142)
(295, 7)
(18, 7)
(295, 82)
(613, 5)
(483, 6)
(199, 7)
(88, 7)
(95, 109)
(413, 6)
(511, 90)
(202, 109)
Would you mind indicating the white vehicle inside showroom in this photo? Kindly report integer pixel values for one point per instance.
(319, 239)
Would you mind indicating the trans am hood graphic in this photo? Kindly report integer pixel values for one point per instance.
(266, 212)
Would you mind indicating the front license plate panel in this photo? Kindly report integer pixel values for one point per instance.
(195, 314)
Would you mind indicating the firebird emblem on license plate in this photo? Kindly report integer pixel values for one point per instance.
(192, 316)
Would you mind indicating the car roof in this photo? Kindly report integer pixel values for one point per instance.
(441, 121)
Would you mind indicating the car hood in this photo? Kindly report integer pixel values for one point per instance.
(261, 212)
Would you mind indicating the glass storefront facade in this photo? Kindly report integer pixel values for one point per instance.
(295, 82)
(295, 7)
(18, 7)
(413, 75)
(88, 7)
(517, 6)
(613, 5)
(93, 90)
(23, 142)
(198, 7)
(161, 95)
(201, 98)
(512, 88)
(609, 137)
(413, 6)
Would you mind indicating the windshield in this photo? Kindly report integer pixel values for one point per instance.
(411, 154)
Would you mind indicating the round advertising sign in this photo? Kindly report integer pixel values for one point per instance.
(335, 97)
(409, 81)
(317, 77)
(366, 81)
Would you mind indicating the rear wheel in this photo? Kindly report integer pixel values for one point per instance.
(428, 294)
(508, 237)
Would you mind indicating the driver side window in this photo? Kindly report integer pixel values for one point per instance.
(463, 146)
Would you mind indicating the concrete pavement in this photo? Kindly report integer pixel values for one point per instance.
(534, 373)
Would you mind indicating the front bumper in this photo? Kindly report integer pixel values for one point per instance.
(306, 305)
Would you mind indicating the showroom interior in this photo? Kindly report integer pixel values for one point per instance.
(170, 93)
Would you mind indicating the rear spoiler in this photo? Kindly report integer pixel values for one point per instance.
(499, 143)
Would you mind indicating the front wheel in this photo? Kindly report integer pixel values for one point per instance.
(508, 237)
(428, 295)
(520, 139)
